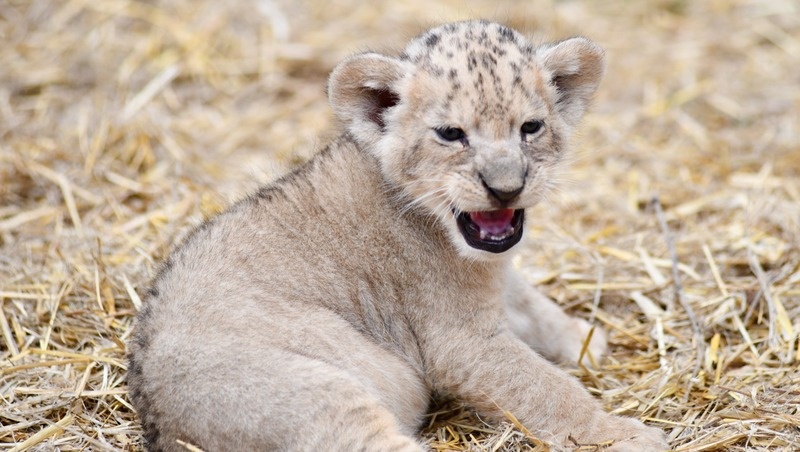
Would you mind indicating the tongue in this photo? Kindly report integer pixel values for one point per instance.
(493, 222)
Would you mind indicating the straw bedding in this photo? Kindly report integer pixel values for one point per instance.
(677, 229)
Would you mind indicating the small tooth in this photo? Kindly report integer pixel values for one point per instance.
(500, 237)
(484, 235)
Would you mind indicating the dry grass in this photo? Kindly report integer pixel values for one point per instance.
(124, 123)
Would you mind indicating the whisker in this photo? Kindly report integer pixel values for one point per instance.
(427, 196)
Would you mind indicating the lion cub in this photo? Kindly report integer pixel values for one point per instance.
(322, 312)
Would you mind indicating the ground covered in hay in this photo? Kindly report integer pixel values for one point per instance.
(125, 123)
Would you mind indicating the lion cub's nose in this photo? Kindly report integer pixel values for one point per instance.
(504, 194)
(503, 174)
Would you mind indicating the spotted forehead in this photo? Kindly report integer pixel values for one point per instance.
(471, 44)
(480, 62)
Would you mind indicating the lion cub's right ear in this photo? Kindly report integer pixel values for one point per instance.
(361, 89)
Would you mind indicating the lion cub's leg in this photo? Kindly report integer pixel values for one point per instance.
(256, 396)
(323, 407)
(541, 324)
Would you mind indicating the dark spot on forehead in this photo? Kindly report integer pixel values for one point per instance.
(506, 34)
(432, 39)
(472, 61)
(478, 84)
(488, 61)
(484, 37)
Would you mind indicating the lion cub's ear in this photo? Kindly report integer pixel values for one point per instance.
(361, 88)
(576, 66)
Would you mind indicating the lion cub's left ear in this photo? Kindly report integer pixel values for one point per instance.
(361, 89)
(576, 66)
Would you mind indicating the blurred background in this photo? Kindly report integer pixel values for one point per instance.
(125, 123)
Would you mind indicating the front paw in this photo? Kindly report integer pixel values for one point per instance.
(650, 440)
(629, 435)
(574, 340)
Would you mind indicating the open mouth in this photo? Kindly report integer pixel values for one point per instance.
(494, 231)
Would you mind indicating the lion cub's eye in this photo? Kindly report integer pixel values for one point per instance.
(531, 127)
(450, 133)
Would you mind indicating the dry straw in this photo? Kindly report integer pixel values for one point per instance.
(124, 123)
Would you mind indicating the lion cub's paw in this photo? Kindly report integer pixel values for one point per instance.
(574, 338)
(652, 440)
(633, 436)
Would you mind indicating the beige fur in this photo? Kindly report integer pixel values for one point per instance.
(322, 312)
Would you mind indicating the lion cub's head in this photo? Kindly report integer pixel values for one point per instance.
(469, 121)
